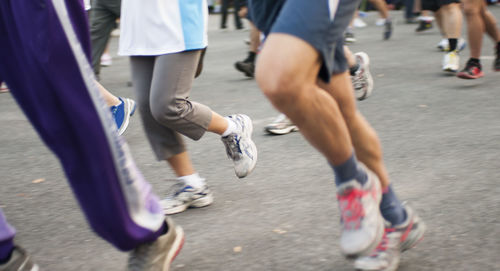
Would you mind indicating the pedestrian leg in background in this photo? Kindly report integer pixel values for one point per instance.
(247, 66)
(117, 201)
(479, 20)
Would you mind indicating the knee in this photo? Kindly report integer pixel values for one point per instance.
(280, 86)
(170, 112)
(470, 9)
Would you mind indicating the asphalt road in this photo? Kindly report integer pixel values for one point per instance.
(441, 139)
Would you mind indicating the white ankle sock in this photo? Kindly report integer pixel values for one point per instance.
(231, 127)
(193, 180)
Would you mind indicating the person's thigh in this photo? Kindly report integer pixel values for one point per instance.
(322, 26)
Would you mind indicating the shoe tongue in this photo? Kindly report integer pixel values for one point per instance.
(348, 186)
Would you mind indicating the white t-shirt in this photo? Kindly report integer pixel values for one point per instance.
(87, 4)
(157, 27)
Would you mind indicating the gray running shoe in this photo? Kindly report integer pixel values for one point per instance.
(158, 255)
(395, 240)
(281, 126)
(362, 80)
(349, 37)
(362, 223)
(20, 260)
(240, 147)
(181, 196)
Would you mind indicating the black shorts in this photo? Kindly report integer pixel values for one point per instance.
(434, 5)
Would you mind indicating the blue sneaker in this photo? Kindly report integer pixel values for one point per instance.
(122, 113)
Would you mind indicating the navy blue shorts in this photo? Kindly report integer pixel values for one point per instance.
(321, 23)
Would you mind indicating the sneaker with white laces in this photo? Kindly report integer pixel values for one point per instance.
(19, 260)
(240, 147)
(362, 223)
(281, 126)
(159, 254)
(122, 113)
(395, 240)
(362, 79)
(182, 196)
(451, 62)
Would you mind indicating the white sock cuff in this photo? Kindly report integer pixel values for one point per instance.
(193, 180)
(231, 127)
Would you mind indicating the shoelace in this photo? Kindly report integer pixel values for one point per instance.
(358, 81)
(351, 209)
(233, 146)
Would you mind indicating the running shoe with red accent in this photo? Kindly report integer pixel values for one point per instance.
(362, 223)
(472, 70)
(385, 257)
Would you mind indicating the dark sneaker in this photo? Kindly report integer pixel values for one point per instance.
(239, 146)
(496, 63)
(182, 196)
(158, 255)
(246, 67)
(362, 80)
(122, 113)
(349, 37)
(19, 260)
(472, 70)
(387, 29)
(395, 240)
(423, 26)
(362, 223)
(281, 126)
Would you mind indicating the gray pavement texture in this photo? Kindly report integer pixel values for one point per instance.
(441, 139)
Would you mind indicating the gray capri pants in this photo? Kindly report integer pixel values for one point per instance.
(162, 85)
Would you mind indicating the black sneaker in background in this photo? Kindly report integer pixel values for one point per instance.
(423, 26)
(246, 66)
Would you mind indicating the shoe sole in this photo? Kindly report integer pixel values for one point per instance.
(420, 236)
(366, 62)
(130, 107)
(248, 133)
(283, 131)
(467, 76)
(176, 248)
(450, 70)
(381, 226)
(199, 203)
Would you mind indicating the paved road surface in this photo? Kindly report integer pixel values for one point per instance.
(441, 137)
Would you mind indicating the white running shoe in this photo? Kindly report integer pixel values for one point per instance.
(362, 223)
(106, 60)
(281, 126)
(159, 254)
(362, 80)
(358, 23)
(451, 62)
(395, 240)
(240, 147)
(182, 196)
